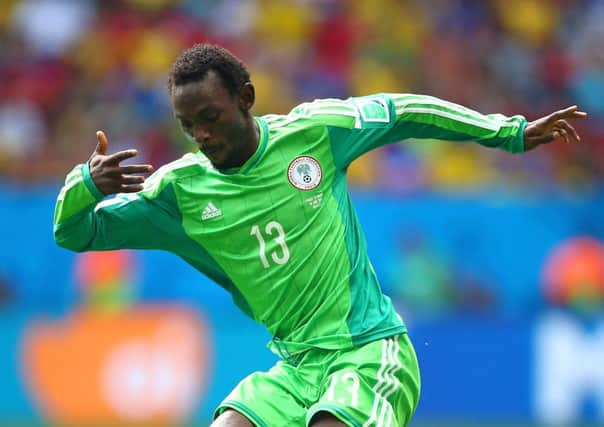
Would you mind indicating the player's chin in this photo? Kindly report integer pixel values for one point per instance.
(220, 163)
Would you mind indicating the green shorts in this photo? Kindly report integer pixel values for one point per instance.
(376, 384)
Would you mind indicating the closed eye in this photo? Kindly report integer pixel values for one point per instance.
(212, 116)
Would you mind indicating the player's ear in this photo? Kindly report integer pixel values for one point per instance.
(247, 96)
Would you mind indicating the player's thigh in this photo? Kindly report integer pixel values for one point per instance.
(375, 385)
(231, 418)
(325, 419)
(272, 398)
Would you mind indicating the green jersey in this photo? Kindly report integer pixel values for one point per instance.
(280, 233)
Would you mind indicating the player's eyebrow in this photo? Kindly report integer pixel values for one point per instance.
(204, 110)
(200, 112)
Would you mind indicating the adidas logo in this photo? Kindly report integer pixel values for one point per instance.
(210, 211)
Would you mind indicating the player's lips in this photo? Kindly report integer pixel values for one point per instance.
(211, 150)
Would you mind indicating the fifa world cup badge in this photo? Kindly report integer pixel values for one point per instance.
(304, 173)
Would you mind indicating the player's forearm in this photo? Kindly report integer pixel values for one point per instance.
(420, 116)
(74, 224)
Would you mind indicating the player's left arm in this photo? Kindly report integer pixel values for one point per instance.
(420, 116)
(360, 124)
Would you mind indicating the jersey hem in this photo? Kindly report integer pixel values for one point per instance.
(386, 333)
(292, 351)
(337, 412)
(242, 409)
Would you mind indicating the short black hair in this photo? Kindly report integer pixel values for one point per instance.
(194, 63)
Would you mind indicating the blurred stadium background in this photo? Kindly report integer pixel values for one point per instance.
(495, 261)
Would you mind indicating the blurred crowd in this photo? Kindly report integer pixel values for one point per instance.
(70, 67)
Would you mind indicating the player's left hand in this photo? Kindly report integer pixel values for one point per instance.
(549, 128)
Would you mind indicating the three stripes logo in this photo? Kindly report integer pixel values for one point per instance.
(387, 384)
(210, 211)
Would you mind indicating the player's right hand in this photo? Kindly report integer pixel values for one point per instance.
(109, 176)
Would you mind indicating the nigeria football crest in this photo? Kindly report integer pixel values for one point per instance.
(304, 173)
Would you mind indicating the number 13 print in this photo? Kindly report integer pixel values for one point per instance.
(271, 227)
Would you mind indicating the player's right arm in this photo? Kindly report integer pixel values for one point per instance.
(135, 218)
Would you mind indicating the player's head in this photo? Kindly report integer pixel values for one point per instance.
(212, 96)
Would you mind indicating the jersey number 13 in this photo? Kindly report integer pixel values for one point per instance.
(279, 257)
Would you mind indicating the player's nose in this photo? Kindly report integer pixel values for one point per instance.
(201, 134)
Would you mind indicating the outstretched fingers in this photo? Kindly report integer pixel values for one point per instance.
(128, 181)
(567, 113)
(107, 173)
(556, 125)
(136, 169)
(120, 156)
(131, 188)
(132, 179)
(568, 131)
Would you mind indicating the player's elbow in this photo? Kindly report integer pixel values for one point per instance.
(67, 240)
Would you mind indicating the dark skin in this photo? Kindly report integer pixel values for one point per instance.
(552, 127)
(221, 124)
(218, 121)
(232, 418)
